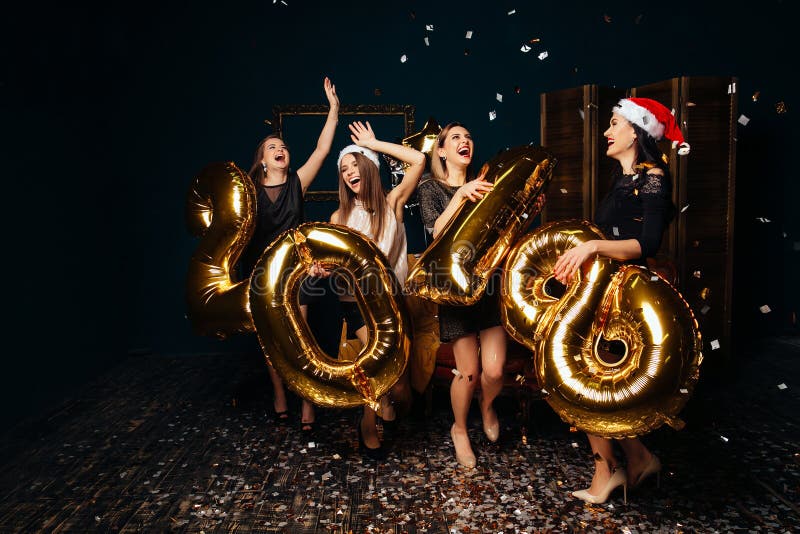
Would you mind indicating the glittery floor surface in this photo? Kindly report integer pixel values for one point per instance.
(189, 444)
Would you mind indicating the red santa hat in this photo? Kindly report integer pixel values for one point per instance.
(653, 118)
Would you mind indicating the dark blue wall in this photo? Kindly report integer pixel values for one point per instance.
(107, 113)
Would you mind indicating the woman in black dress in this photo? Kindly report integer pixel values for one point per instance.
(633, 216)
(476, 331)
(279, 208)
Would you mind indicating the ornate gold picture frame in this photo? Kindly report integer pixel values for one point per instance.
(280, 113)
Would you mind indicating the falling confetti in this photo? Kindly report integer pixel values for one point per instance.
(686, 207)
(782, 386)
(427, 41)
(743, 120)
(607, 18)
(543, 55)
(403, 58)
(765, 309)
(499, 97)
(714, 344)
(517, 89)
(763, 219)
(492, 115)
(732, 88)
(615, 231)
(756, 95)
(697, 274)
(525, 48)
(704, 293)
(780, 107)
(581, 113)
(466, 51)
(684, 391)
(512, 11)
(468, 35)
(704, 310)
(563, 191)
(429, 27)
(723, 438)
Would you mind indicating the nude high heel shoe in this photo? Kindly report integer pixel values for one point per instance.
(467, 460)
(653, 466)
(492, 431)
(619, 478)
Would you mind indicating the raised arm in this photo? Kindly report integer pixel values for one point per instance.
(308, 171)
(362, 135)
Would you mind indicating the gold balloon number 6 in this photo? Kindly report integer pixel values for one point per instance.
(618, 353)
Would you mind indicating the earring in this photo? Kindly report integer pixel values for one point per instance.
(264, 166)
(444, 158)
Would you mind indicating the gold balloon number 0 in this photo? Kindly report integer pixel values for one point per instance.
(618, 353)
(286, 338)
(221, 206)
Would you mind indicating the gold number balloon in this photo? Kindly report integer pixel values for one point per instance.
(611, 393)
(220, 207)
(456, 267)
(285, 337)
(425, 139)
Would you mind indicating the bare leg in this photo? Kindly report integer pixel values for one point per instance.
(462, 388)
(604, 462)
(493, 359)
(279, 402)
(369, 421)
(637, 458)
(307, 416)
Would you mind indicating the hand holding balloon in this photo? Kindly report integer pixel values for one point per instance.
(568, 263)
(475, 190)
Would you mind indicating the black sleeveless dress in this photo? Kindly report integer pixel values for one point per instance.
(272, 219)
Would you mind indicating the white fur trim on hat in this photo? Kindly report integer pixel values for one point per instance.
(641, 117)
(366, 152)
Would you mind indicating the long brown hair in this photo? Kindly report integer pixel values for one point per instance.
(257, 169)
(372, 196)
(438, 167)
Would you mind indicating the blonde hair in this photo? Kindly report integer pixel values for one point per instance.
(438, 167)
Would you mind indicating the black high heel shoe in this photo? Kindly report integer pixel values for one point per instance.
(375, 454)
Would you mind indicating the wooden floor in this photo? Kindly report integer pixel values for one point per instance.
(188, 444)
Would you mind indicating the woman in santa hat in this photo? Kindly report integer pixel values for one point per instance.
(633, 215)
(364, 206)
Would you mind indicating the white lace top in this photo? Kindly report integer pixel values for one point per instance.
(393, 243)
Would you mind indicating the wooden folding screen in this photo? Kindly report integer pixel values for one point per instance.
(700, 239)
